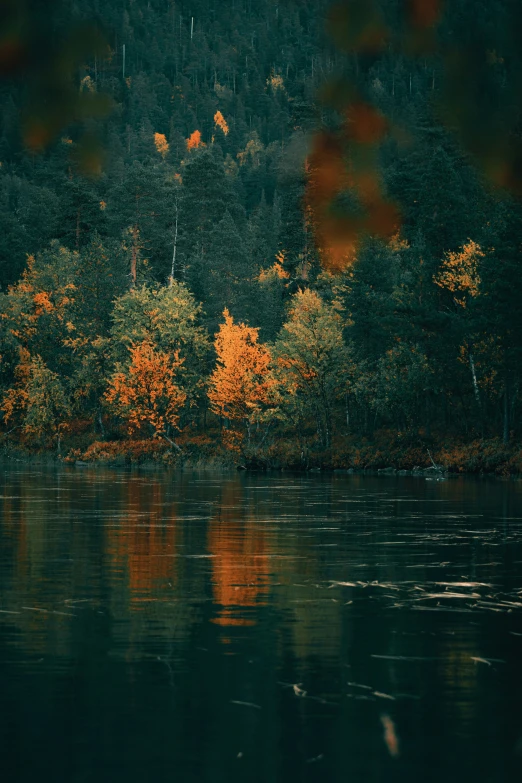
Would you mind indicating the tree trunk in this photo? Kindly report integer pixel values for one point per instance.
(174, 252)
(134, 256)
(474, 377)
(100, 422)
(172, 443)
(505, 434)
(78, 216)
(427, 415)
(327, 427)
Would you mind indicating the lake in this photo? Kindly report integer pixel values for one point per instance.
(219, 627)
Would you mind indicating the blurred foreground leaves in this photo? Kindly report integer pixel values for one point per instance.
(473, 53)
(43, 50)
(470, 48)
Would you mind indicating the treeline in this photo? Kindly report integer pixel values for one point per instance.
(353, 352)
(181, 282)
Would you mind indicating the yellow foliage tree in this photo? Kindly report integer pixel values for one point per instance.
(161, 144)
(38, 400)
(220, 122)
(15, 400)
(313, 363)
(39, 306)
(147, 394)
(459, 273)
(252, 152)
(275, 81)
(242, 388)
(276, 271)
(194, 141)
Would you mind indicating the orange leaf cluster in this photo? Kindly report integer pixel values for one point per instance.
(221, 122)
(242, 383)
(161, 144)
(329, 174)
(148, 393)
(42, 303)
(275, 81)
(16, 399)
(459, 273)
(275, 271)
(251, 153)
(194, 141)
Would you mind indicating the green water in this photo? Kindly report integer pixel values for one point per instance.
(164, 627)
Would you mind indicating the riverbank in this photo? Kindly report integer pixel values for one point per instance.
(386, 453)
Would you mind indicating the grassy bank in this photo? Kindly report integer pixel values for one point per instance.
(387, 451)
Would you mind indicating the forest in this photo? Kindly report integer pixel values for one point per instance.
(280, 233)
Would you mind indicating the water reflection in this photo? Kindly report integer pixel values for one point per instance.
(141, 546)
(239, 548)
(259, 628)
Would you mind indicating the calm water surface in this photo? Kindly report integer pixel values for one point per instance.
(201, 627)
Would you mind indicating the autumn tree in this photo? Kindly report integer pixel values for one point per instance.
(312, 363)
(194, 141)
(161, 144)
(38, 400)
(16, 396)
(220, 122)
(39, 309)
(168, 319)
(459, 277)
(146, 394)
(242, 388)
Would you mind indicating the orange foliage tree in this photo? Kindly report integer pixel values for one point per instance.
(39, 308)
(242, 388)
(220, 122)
(147, 394)
(194, 141)
(161, 144)
(313, 364)
(459, 274)
(38, 400)
(15, 400)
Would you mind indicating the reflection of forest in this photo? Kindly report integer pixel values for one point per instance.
(184, 609)
(142, 545)
(147, 555)
(240, 552)
(159, 559)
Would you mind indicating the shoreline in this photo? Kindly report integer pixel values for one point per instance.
(379, 458)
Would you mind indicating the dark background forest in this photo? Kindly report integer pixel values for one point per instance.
(344, 179)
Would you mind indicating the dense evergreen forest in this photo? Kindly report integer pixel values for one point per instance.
(267, 228)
